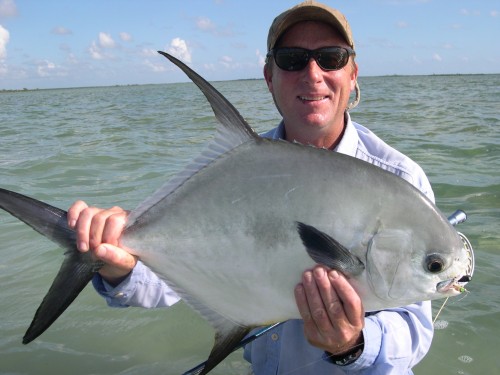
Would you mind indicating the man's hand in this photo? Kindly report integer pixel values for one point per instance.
(331, 309)
(98, 230)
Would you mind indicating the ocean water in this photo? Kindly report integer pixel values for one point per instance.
(117, 145)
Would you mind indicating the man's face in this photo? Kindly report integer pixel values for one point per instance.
(312, 101)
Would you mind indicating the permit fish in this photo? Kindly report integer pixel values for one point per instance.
(233, 232)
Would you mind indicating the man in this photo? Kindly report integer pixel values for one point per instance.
(310, 72)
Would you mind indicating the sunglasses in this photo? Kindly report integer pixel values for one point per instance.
(294, 59)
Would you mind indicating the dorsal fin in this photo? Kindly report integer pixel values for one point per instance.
(232, 132)
(224, 111)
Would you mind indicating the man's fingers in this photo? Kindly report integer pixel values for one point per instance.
(82, 227)
(115, 257)
(320, 298)
(332, 302)
(301, 300)
(351, 302)
(74, 212)
(119, 263)
(106, 226)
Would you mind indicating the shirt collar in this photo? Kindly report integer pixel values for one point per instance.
(348, 145)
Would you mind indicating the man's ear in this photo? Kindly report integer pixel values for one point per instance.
(268, 76)
(354, 76)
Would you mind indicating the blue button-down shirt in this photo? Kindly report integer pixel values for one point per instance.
(395, 339)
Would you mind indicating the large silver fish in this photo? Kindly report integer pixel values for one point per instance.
(234, 231)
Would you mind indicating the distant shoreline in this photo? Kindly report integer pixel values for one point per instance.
(236, 80)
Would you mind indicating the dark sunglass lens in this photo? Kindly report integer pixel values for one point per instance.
(291, 59)
(332, 59)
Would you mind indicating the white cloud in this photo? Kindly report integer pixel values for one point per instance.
(72, 59)
(148, 52)
(106, 41)
(178, 48)
(95, 51)
(467, 12)
(205, 24)
(8, 8)
(46, 68)
(60, 30)
(261, 58)
(436, 57)
(226, 61)
(494, 13)
(126, 37)
(155, 67)
(401, 25)
(4, 39)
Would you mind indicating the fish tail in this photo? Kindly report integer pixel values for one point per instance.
(76, 270)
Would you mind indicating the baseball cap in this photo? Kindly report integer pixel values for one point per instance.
(309, 11)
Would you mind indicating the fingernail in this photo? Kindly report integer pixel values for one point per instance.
(82, 246)
(307, 277)
(100, 252)
(319, 272)
(334, 274)
(72, 223)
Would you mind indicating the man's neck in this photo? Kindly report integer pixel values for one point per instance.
(327, 139)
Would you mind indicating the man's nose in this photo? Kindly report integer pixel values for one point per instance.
(312, 71)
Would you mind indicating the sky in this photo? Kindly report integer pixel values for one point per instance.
(67, 43)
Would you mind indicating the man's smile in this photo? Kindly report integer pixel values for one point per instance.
(312, 98)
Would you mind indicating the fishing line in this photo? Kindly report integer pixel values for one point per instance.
(441, 309)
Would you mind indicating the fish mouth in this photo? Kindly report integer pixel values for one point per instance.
(457, 284)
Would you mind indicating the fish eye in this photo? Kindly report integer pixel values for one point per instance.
(434, 263)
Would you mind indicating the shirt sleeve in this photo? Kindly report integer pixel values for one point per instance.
(395, 340)
(141, 288)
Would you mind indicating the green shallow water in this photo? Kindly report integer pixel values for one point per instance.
(117, 145)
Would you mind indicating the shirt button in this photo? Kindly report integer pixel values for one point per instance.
(274, 337)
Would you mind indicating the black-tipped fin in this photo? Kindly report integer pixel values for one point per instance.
(325, 250)
(225, 343)
(224, 111)
(77, 268)
(232, 132)
(75, 273)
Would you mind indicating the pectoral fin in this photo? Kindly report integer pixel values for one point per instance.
(325, 250)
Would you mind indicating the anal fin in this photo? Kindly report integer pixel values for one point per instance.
(226, 341)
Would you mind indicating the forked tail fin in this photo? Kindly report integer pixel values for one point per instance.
(76, 270)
